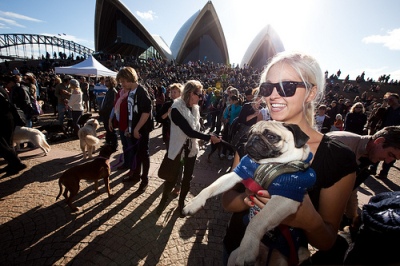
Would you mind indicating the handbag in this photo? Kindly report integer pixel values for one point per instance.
(169, 169)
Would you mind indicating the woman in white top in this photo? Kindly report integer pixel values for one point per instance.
(75, 103)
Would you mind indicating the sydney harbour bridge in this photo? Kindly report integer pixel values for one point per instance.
(34, 46)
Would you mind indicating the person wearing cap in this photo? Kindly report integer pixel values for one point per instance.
(62, 92)
(75, 103)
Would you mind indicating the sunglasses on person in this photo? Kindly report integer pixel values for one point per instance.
(284, 89)
(198, 94)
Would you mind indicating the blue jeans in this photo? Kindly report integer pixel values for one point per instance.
(61, 112)
(126, 143)
(75, 117)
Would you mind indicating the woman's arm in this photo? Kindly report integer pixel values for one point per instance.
(181, 122)
(322, 228)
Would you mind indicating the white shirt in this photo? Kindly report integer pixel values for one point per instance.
(319, 120)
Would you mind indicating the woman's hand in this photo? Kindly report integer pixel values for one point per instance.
(136, 134)
(259, 199)
(215, 139)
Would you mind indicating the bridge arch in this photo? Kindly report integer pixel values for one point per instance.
(29, 46)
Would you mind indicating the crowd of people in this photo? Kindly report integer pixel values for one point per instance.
(215, 103)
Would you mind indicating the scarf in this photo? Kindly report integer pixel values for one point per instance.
(122, 96)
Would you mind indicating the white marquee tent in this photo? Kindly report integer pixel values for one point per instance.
(90, 67)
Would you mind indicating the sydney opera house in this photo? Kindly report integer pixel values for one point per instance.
(117, 31)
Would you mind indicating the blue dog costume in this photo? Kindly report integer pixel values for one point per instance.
(291, 184)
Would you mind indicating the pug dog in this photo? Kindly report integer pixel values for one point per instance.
(277, 160)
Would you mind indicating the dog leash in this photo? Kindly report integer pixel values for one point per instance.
(293, 256)
(224, 142)
(121, 156)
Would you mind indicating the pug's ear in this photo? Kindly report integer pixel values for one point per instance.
(300, 138)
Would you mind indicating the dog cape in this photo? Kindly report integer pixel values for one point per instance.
(292, 182)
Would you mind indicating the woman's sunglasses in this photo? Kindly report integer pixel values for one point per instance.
(198, 94)
(284, 89)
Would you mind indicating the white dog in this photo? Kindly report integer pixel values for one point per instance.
(278, 159)
(26, 134)
(88, 137)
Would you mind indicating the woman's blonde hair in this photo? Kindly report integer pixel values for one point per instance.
(308, 70)
(189, 87)
(357, 104)
(57, 80)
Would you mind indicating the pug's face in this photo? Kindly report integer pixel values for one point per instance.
(271, 139)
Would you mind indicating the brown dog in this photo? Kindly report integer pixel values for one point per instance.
(94, 170)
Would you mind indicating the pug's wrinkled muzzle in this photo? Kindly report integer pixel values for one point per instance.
(258, 148)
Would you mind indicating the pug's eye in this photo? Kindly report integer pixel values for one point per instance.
(272, 138)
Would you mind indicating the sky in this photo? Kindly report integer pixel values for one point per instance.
(350, 35)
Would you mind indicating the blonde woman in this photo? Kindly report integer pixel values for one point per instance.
(75, 103)
(292, 84)
(185, 131)
(356, 119)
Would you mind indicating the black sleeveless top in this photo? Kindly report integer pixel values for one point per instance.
(332, 161)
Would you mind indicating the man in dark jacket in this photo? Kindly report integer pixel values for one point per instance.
(9, 118)
(19, 96)
(105, 111)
